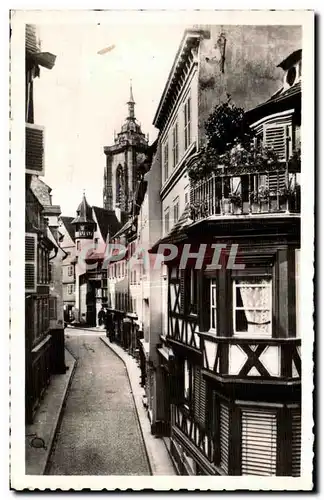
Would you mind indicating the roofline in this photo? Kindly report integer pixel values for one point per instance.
(189, 34)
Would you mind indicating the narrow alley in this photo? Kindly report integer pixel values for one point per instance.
(99, 432)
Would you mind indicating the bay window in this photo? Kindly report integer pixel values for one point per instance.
(252, 307)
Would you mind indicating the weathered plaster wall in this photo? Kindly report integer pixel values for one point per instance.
(249, 76)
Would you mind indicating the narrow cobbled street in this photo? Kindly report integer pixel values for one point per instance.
(99, 433)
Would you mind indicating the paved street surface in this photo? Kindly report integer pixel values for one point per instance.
(99, 433)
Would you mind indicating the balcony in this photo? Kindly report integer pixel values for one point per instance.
(244, 193)
(234, 359)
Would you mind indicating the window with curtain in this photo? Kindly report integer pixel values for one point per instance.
(252, 307)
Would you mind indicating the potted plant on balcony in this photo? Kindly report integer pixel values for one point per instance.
(236, 201)
(289, 197)
(260, 199)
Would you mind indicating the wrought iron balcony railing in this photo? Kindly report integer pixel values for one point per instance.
(246, 359)
(235, 193)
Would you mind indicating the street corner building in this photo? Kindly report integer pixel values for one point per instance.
(44, 327)
(218, 345)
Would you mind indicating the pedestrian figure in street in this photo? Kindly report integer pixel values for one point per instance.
(110, 330)
(101, 316)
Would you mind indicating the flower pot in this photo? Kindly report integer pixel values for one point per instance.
(236, 209)
(227, 207)
(264, 206)
(255, 207)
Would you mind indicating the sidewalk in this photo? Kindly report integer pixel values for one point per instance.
(157, 452)
(42, 431)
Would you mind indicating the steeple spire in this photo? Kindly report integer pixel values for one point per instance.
(131, 103)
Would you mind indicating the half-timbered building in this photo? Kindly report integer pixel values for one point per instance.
(229, 352)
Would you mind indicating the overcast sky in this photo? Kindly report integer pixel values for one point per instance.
(82, 100)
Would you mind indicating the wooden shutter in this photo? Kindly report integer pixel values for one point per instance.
(296, 442)
(182, 290)
(276, 181)
(31, 39)
(259, 443)
(199, 396)
(34, 152)
(275, 137)
(30, 262)
(223, 436)
(53, 307)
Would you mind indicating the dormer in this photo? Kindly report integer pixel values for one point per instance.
(292, 67)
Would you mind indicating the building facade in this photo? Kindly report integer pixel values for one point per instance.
(44, 333)
(227, 379)
(91, 227)
(67, 242)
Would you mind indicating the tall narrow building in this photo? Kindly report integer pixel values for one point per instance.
(121, 160)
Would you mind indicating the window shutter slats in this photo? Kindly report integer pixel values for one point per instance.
(34, 151)
(30, 262)
(275, 138)
(276, 181)
(199, 396)
(296, 442)
(224, 435)
(182, 290)
(259, 443)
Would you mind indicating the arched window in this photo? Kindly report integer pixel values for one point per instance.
(120, 187)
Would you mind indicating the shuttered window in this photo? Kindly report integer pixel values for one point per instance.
(34, 149)
(275, 137)
(182, 290)
(223, 436)
(259, 443)
(296, 442)
(53, 308)
(30, 262)
(199, 404)
(276, 181)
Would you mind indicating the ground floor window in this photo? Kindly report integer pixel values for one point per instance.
(259, 442)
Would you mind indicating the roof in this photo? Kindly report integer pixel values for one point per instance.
(84, 212)
(124, 228)
(67, 221)
(41, 190)
(283, 99)
(107, 221)
(290, 60)
(189, 39)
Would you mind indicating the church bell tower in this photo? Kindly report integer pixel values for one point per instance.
(122, 158)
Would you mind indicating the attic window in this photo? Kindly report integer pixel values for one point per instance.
(291, 76)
